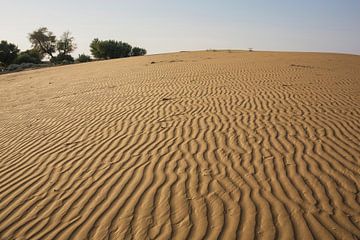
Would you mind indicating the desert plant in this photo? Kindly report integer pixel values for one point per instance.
(29, 56)
(8, 52)
(136, 51)
(43, 41)
(17, 67)
(23, 66)
(83, 58)
(95, 49)
(109, 49)
(66, 44)
(62, 59)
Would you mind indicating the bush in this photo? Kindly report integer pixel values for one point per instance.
(8, 53)
(136, 51)
(29, 56)
(62, 59)
(24, 58)
(109, 49)
(19, 67)
(23, 66)
(83, 58)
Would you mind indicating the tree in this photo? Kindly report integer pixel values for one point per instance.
(8, 52)
(96, 49)
(136, 51)
(109, 49)
(43, 41)
(29, 56)
(66, 44)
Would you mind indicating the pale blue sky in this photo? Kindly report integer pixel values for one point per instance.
(167, 26)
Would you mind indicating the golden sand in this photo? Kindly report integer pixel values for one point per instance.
(190, 145)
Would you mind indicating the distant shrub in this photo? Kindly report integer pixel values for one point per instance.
(13, 67)
(83, 58)
(23, 66)
(62, 59)
(29, 56)
(8, 53)
(109, 49)
(24, 58)
(136, 51)
(18, 67)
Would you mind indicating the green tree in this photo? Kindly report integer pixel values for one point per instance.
(43, 41)
(66, 44)
(109, 49)
(136, 51)
(8, 52)
(97, 49)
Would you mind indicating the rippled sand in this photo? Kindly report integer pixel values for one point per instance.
(190, 145)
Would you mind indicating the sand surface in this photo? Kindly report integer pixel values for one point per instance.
(190, 145)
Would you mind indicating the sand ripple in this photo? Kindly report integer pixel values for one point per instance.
(193, 145)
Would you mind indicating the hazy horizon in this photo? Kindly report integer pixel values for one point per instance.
(163, 26)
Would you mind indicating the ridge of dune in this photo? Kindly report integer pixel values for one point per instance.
(189, 145)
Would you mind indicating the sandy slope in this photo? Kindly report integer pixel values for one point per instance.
(188, 145)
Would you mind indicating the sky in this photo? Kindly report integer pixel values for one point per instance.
(169, 26)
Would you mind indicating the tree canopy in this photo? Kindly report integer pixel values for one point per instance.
(29, 56)
(109, 49)
(136, 51)
(43, 41)
(66, 44)
(8, 52)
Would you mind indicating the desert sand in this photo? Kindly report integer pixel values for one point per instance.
(189, 145)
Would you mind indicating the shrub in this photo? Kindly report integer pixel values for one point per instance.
(8, 53)
(19, 67)
(62, 59)
(29, 56)
(83, 58)
(109, 49)
(24, 58)
(136, 51)
(23, 66)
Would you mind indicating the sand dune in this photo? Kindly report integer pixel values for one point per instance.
(190, 145)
